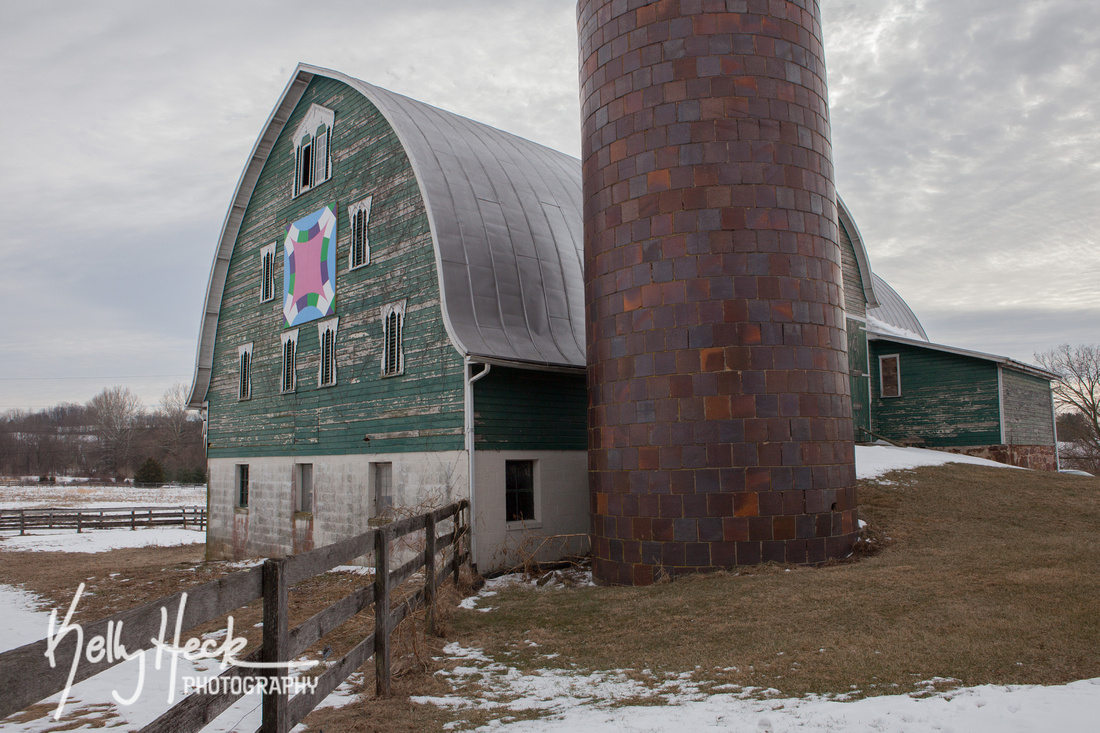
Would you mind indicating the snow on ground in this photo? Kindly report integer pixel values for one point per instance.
(99, 540)
(599, 700)
(875, 460)
(48, 495)
(23, 624)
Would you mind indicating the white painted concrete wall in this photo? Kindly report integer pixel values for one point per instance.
(344, 502)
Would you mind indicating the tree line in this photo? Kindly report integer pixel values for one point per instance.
(111, 436)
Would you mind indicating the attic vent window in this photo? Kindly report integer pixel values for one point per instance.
(289, 375)
(267, 273)
(312, 139)
(326, 336)
(889, 368)
(393, 326)
(244, 377)
(360, 245)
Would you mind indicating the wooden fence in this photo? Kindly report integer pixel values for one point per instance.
(26, 676)
(81, 519)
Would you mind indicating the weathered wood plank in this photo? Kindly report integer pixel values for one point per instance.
(276, 717)
(308, 564)
(310, 631)
(25, 676)
(429, 574)
(304, 702)
(198, 709)
(382, 613)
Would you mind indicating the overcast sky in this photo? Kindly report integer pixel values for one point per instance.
(965, 135)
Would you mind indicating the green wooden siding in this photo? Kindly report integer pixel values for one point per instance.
(418, 410)
(1027, 409)
(858, 379)
(519, 409)
(946, 399)
(854, 302)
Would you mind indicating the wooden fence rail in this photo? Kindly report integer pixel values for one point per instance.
(80, 519)
(26, 676)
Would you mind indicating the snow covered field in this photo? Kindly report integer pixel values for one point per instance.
(73, 494)
(585, 700)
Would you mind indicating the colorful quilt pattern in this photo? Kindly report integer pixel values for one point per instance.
(309, 270)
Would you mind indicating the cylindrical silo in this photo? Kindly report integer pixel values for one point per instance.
(719, 424)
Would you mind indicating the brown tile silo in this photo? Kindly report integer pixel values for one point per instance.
(719, 421)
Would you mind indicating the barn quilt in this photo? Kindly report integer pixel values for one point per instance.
(309, 271)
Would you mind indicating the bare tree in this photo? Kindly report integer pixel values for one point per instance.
(179, 431)
(113, 414)
(1078, 389)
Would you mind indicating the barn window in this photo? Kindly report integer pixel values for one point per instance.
(519, 491)
(889, 368)
(312, 138)
(288, 375)
(303, 485)
(360, 244)
(267, 273)
(241, 499)
(326, 336)
(382, 476)
(393, 326)
(244, 374)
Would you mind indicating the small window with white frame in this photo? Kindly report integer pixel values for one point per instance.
(393, 328)
(312, 140)
(289, 374)
(326, 337)
(359, 254)
(267, 273)
(889, 372)
(244, 373)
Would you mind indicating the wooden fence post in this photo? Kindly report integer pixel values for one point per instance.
(78, 522)
(429, 573)
(133, 518)
(22, 521)
(382, 612)
(276, 643)
(456, 547)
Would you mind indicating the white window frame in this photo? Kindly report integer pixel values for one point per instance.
(393, 350)
(288, 374)
(244, 372)
(327, 327)
(882, 379)
(312, 147)
(359, 217)
(267, 273)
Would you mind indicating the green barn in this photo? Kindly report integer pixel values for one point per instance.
(395, 320)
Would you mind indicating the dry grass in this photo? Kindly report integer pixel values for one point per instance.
(989, 576)
(985, 576)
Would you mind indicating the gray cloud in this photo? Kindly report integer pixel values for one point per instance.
(965, 134)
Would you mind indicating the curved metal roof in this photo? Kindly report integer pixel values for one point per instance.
(893, 315)
(506, 221)
(862, 261)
